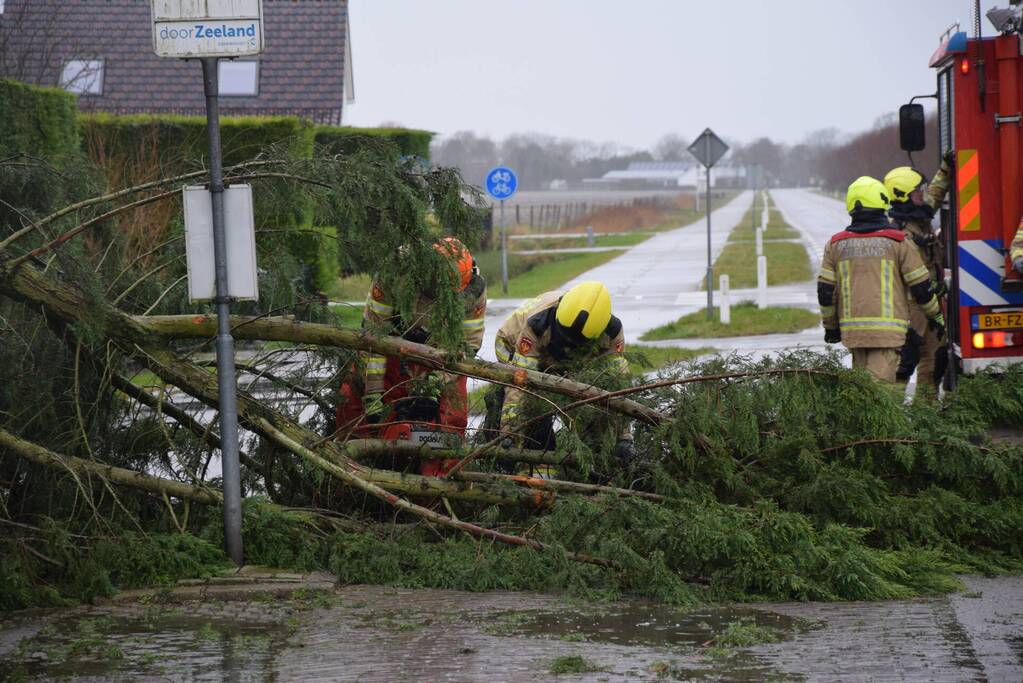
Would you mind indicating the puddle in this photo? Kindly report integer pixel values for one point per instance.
(648, 625)
(106, 646)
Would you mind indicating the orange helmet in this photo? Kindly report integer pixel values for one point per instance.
(453, 248)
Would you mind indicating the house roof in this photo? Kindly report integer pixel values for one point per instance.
(302, 70)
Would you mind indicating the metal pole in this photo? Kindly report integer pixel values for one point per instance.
(226, 380)
(710, 269)
(504, 253)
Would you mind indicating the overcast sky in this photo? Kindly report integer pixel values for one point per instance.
(631, 71)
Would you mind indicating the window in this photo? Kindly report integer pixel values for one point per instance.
(83, 76)
(239, 78)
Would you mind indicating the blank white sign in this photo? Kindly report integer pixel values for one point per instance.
(240, 231)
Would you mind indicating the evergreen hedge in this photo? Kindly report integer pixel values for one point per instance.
(43, 123)
(37, 121)
(407, 141)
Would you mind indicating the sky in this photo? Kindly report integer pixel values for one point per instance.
(632, 71)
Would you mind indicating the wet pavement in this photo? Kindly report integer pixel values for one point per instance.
(377, 634)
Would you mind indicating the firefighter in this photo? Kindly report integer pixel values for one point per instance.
(863, 304)
(368, 396)
(546, 334)
(912, 211)
(1016, 250)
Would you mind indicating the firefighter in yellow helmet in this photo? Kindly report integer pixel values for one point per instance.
(862, 285)
(546, 334)
(913, 205)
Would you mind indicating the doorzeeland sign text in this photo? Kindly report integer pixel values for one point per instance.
(207, 28)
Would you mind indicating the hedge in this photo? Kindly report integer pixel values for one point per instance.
(407, 141)
(317, 249)
(42, 122)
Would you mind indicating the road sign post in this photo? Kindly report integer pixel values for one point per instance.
(708, 150)
(501, 185)
(208, 31)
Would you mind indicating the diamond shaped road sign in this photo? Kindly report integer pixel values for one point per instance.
(708, 148)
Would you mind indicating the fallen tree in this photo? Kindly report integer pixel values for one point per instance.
(788, 478)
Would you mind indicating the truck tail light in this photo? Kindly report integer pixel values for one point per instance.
(997, 340)
(964, 66)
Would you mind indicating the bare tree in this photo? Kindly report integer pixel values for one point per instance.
(671, 147)
(35, 44)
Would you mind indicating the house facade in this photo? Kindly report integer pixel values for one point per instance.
(103, 51)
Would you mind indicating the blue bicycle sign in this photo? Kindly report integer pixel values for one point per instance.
(501, 182)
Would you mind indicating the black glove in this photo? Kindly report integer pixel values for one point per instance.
(832, 336)
(949, 158)
(625, 451)
(937, 324)
(1017, 264)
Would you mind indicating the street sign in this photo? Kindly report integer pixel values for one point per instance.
(501, 182)
(207, 28)
(708, 148)
(242, 279)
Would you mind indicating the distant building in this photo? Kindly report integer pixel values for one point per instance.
(684, 175)
(103, 50)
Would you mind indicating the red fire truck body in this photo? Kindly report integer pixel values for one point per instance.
(979, 86)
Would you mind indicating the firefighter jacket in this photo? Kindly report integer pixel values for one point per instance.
(380, 311)
(525, 341)
(1016, 248)
(916, 222)
(862, 287)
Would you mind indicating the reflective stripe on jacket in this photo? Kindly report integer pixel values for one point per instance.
(870, 273)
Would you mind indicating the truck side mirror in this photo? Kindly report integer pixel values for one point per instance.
(912, 131)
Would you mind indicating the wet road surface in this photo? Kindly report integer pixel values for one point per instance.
(377, 634)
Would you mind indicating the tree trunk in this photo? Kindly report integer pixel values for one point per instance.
(115, 475)
(285, 329)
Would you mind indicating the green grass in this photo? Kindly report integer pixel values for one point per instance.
(787, 262)
(646, 359)
(532, 275)
(351, 288)
(624, 240)
(777, 228)
(346, 316)
(747, 319)
(573, 664)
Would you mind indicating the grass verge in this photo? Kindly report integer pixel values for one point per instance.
(624, 240)
(535, 274)
(747, 320)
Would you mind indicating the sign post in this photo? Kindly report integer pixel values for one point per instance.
(708, 150)
(208, 31)
(501, 184)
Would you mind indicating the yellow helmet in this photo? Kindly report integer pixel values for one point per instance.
(866, 193)
(585, 310)
(901, 181)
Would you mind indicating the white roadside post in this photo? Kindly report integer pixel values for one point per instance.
(208, 31)
(726, 302)
(761, 282)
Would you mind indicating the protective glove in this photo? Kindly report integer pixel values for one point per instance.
(373, 408)
(832, 336)
(937, 323)
(625, 451)
(949, 158)
(1017, 264)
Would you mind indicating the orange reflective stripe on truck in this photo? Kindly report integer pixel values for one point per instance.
(968, 182)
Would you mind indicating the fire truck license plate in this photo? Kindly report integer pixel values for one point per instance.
(1000, 321)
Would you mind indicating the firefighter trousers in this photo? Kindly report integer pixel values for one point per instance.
(452, 403)
(881, 363)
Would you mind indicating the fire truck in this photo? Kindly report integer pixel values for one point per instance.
(979, 117)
